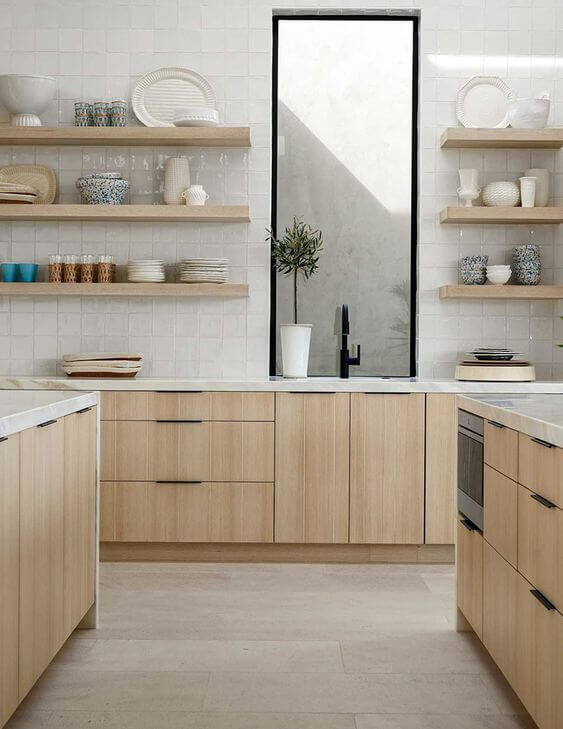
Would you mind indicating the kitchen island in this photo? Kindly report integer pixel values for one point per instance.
(48, 531)
(510, 566)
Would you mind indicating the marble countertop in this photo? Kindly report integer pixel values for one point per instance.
(540, 416)
(313, 384)
(20, 410)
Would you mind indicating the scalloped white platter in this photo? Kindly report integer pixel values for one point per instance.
(483, 103)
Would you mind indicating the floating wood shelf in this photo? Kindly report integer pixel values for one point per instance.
(128, 213)
(476, 215)
(463, 138)
(124, 289)
(127, 136)
(460, 291)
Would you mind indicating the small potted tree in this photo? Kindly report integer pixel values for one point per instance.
(296, 253)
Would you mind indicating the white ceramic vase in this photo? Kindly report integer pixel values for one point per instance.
(176, 179)
(195, 195)
(542, 185)
(528, 191)
(501, 194)
(295, 343)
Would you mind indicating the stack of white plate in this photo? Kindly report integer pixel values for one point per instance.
(11, 192)
(102, 364)
(204, 270)
(145, 271)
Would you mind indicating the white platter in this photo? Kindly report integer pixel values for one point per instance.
(483, 103)
(159, 94)
(41, 178)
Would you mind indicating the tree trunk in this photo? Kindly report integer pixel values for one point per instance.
(295, 297)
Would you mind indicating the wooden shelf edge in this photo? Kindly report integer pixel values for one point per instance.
(501, 216)
(127, 136)
(124, 289)
(128, 213)
(487, 291)
(464, 138)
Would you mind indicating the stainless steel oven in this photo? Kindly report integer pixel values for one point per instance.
(470, 467)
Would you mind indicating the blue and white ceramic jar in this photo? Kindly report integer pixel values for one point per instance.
(473, 269)
(526, 264)
(102, 190)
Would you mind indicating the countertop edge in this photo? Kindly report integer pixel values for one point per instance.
(33, 416)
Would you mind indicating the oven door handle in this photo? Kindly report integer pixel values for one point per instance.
(470, 434)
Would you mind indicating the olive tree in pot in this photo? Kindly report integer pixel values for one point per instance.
(296, 254)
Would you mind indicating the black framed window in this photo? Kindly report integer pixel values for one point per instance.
(344, 159)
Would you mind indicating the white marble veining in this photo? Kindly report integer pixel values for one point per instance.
(540, 416)
(313, 384)
(20, 410)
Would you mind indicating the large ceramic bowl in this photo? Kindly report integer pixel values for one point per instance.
(501, 194)
(529, 113)
(102, 190)
(26, 97)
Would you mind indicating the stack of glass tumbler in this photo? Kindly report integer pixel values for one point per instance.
(100, 113)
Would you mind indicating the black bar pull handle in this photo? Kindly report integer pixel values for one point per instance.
(496, 425)
(387, 393)
(544, 502)
(179, 421)
(84, 410)
(310, 392)
(46, 423)
(543, 599)
(180, 392)
(3, 438)
(543, 443)
(172, 482)
(469, 525)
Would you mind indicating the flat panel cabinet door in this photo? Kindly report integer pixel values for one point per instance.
(124, 450)
(41, 549)
(387, 469)
(470, 575)
(312, 459)
(79, 516)
(441, 467)
(501, 513)
(501, 449)
(179, 452)
(9, 574)
(541, 468)
(539, 681)
(500, 589)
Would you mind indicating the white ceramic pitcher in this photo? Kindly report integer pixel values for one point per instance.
(195, 195)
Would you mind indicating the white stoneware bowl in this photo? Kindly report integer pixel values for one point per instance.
(498, 277)
(501, 194)
(529, 113)
(26, 97)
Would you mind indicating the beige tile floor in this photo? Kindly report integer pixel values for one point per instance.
(273, 647)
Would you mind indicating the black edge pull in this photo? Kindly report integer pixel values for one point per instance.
(544, 502)
(496, 425)
(179, 421)
(84, 410)
(387, 393)
(469, 525)
(180, 392)
(310, 392)
(543, 443)
(173, 482)
(543, 599)
(46, 423)
(3, 438)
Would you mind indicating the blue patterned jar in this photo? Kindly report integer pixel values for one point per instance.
(526, 265)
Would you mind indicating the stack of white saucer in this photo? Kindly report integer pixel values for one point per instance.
(145, 271)
(204, 270)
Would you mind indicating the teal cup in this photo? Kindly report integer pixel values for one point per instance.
(27, 272)
(9, 272)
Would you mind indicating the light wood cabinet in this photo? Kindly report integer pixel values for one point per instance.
(441, 468)
(501, 514)
(79, 516)
(312, 460)
(501, 449)
(125, 405)
(41, 550)
(176, 452)
(539, 646)
(541, 468)
(242, 406)
(540, 544)
(500, 596)
(387, 469)
(202, 512)
(469, 555)
(9, 574)
(124, 450)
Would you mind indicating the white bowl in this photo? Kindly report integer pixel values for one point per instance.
(529, 113)
(498, 277)
(25, 97)
(196, 116)
(501, 194)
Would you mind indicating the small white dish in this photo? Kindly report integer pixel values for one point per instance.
(498, 278)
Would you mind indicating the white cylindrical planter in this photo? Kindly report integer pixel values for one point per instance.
(295, 341)
(528, 191)
(542, 185)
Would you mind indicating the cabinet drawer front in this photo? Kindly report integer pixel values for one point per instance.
(179, 451)
(242, 452)
(470, 576)
(180, 406)
(538, 674)
(501, 449)
(125, 405)
(540, 545)
(187, 512)
(500, 585)
(242, 406)
(500, 513)
(124, 450)
(541, 468)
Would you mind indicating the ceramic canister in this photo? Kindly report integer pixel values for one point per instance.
(195, 195)
(542, 185)
(176, 179)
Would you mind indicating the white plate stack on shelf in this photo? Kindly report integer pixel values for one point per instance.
(494, 364)
(11, 192)
(102, 364)
(204, 270)
(146, 271)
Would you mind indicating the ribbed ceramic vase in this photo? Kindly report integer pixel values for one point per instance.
(176, 179)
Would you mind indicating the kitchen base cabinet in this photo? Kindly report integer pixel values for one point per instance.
(387, 469)
(469, 557)
(9, 574)
(500, 511)
(441, 468)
